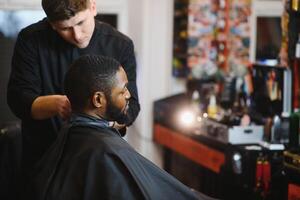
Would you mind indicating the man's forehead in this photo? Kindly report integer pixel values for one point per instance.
(80, 16)
(121, 76)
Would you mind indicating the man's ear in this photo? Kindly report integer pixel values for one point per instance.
(93, 7)
(99, 99)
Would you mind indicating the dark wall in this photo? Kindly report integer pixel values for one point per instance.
(6, 49)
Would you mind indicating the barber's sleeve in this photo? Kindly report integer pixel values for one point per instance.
(128, 62)
(25, 82)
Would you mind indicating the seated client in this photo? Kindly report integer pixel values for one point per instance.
(90, 160)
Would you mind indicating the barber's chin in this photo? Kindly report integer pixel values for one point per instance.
(81, 45)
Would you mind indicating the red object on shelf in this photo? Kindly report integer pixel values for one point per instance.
(195, 151)
(266, 176)
(293, 192)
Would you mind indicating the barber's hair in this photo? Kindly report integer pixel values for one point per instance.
(87, 75)
(57, 10)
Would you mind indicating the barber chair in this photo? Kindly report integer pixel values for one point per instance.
(202, 196)
(10, 159)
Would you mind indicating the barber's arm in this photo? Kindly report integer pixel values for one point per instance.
(45, 107)
(128, 62)
(25, 87)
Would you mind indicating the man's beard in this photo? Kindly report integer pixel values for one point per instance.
(114, 113)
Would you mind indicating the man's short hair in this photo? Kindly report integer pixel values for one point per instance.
(87, 75)
(57, 10)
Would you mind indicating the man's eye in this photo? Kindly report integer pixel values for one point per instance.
(64, 29)
(124, 91)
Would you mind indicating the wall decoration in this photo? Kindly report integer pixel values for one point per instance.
(239, 36)
(217, 38)
(180, 38)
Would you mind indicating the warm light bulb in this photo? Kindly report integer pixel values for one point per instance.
(187, 118)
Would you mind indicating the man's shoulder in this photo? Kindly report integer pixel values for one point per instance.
(103, 140)
(106, 30)
(35, 29)
(96, 136)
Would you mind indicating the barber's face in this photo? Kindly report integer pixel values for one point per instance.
(117, 102)
(79, 29)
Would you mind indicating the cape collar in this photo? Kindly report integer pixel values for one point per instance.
(79, 119)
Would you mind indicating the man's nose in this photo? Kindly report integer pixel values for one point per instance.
(77, 33)
(127, 95)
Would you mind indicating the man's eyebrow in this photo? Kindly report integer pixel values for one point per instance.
(80, 22)
(66, 27)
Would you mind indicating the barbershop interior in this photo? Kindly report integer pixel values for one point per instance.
(219, 91)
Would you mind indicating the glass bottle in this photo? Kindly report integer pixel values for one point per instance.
(295, 5)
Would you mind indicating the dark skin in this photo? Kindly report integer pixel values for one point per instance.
(98, 104)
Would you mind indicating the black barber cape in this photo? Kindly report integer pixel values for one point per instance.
(90, 161)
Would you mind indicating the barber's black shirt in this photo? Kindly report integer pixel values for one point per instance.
(41, 59)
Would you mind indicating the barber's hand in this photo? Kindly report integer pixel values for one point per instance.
(63, 107)
(116, 125)
(45, 107)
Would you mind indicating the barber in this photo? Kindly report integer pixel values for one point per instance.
(41, 57)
